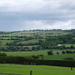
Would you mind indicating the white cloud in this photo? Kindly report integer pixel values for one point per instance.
(34, 24)
(38, 14)
(19, 5)
(37, 6)
(62, 25)
(40, 6)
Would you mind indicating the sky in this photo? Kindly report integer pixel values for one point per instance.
(18, 15)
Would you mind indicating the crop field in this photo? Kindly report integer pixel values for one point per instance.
(36, 70)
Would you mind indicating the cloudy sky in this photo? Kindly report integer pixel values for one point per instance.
(21, 15)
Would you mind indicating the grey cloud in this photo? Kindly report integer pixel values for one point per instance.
(15, 15)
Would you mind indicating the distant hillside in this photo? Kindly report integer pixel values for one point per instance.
(38, 32)
(36, 39)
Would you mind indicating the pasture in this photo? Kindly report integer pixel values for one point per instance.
(5, 41)
(29, 41)
(68, 45)
(36, 69)
(42, 52)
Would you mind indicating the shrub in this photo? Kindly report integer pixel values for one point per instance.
(2, 54)
(69, 58)
(41, 55)
(22, 60)
(35, 57)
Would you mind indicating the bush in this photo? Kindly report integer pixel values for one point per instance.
(2, 54)
(69, 62)
(42, 56)
(35, 57)
(69, 58)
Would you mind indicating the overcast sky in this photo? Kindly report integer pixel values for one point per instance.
(21, 15)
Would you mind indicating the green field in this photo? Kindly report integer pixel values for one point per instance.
(27, 53)
(29, 41)
(42, 52)
(5, 41)
(36, 70)
(68, 45)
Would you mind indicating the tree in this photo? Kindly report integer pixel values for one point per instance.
(50, 52)
(33, 48)
(63, 52)
(71, 46)
(57, 52)
(3, 49)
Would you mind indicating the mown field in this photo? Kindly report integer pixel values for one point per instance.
(36, 70)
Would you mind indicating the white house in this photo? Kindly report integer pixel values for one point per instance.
(59, 45)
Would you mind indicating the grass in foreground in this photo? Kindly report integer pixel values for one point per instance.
(36, 70)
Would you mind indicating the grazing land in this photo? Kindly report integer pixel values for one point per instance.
(55, 56)
(36, 70)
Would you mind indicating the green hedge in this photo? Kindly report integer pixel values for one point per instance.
(22, 60)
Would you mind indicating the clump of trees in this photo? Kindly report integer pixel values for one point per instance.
(50, 52)
(12, 48)
(51, 42)
(70, 52)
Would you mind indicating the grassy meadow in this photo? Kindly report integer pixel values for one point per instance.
(36, 70)
(68, 45)
(5, 41)
(42, 52)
